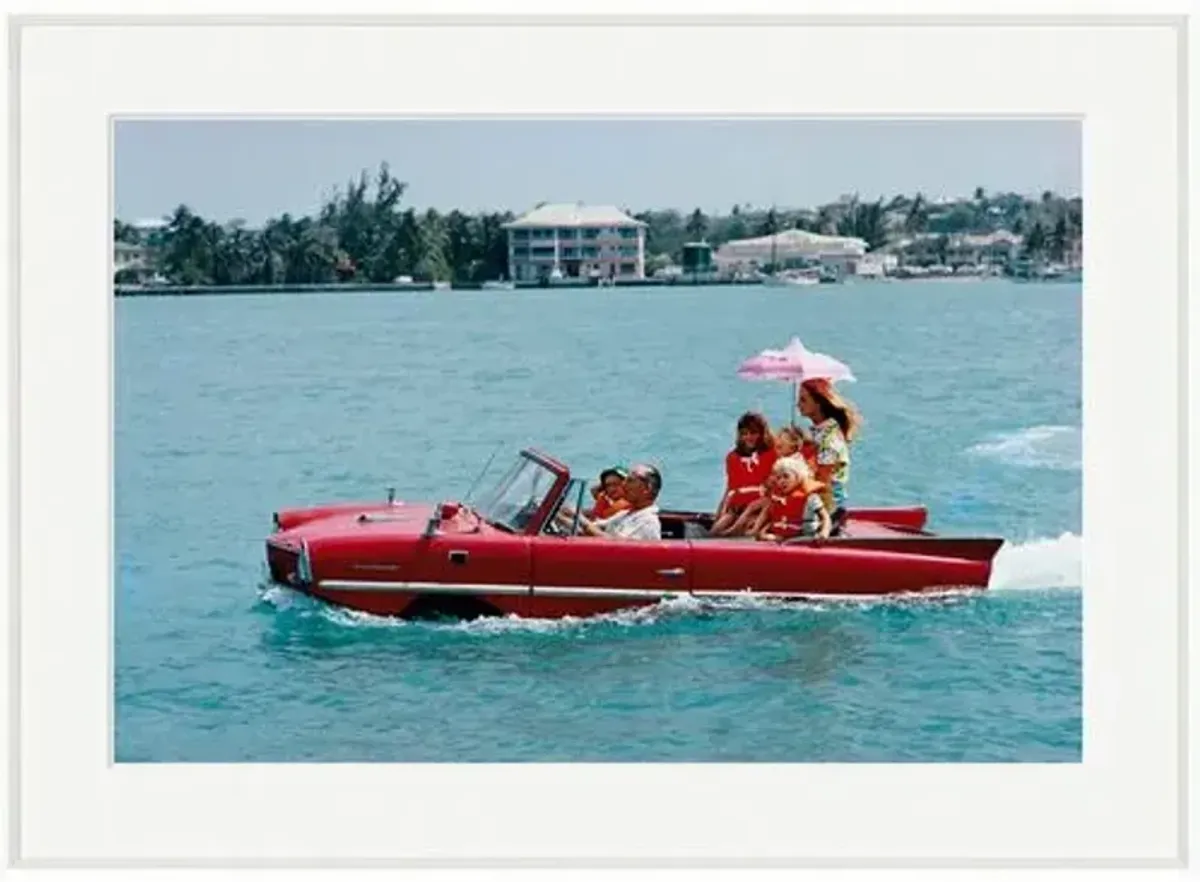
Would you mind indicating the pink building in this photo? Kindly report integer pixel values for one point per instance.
(573, 240)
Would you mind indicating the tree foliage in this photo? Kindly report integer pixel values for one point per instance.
(366, 233)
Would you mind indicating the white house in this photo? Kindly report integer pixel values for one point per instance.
(960, 249)
(127, 256)
(840, 253)
(998, 248)
(572, 240)
(135, 260)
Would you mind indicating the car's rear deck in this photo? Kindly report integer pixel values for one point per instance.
(856, 533)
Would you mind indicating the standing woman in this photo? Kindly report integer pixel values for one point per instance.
(835, 426)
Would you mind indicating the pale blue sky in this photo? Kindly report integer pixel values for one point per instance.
(255, 169)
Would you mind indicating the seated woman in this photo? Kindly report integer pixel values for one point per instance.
(794, 508)
(789, 444)
(747, 467)
(835, 426)
(609, 494)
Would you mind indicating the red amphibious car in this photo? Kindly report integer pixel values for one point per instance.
(506, 555)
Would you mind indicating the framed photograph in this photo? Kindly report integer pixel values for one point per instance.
(694, 442)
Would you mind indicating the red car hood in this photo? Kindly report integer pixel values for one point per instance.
(361, 520)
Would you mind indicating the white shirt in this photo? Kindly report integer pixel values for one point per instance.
(640, 524)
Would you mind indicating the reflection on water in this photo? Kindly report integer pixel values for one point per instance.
(822, 651)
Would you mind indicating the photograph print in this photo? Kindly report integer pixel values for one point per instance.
(598, 440)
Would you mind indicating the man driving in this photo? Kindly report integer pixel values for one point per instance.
(639, 521)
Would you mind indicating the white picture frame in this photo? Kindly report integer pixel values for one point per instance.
(1122, 806)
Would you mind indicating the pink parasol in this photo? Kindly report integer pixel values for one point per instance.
(794, 364)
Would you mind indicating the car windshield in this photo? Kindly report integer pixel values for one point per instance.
(564, 520)
(518, 496)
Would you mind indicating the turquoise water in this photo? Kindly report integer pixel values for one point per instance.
(229, 407)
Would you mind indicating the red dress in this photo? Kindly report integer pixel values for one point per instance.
(785, 520)
(746, 476)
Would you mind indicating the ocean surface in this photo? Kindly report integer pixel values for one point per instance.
(229, 407)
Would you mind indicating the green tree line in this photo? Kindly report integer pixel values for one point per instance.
(364, 232)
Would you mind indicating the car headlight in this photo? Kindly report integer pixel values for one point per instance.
(304, 565)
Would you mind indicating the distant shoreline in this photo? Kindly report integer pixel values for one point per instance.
(395, 287)
(347, 287)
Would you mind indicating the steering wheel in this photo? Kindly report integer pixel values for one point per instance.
(527, 511)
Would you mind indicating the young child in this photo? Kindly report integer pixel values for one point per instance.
(747, 468)
(795, 507)
(792, 441)
(609, 495)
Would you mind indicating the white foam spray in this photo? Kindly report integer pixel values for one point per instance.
(1044, 447)
(1039, 563)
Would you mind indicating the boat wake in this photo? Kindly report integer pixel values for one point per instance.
(1039, 563)
(1039, 447)
(662, 612)
(282, 599)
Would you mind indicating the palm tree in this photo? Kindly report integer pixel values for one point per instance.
(826, 221)
(494, 245)
(918, 216)
(461, 244)
(980, 218)
(866, 222)
(697, 225)
(433, 263)
(769, 227)
(770, 224)
(1035, 242)
(123, 232)
(187, 255)
(1057, 241)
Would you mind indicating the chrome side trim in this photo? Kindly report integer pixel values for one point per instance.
(609, 593)
(381, 517)
(582, 591)
(421, 587)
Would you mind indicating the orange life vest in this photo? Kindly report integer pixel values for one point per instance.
(785, 519)
(606, 507)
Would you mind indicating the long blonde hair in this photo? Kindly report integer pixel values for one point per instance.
(832, 404)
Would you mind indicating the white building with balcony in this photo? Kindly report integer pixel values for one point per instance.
(576, 241)
(788, 248)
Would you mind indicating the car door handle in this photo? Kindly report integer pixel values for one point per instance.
(458, 557)
(674, 572)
